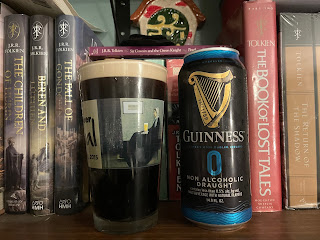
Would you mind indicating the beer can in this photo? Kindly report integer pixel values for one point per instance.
(214, 139)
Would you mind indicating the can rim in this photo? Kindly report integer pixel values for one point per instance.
(211, 49)
(113, 67)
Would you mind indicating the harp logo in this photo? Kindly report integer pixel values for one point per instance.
(37, 31)
(212, 92)
(13, 30)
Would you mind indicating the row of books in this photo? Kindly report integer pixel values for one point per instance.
(287, 96)
(44, 168)
(296, 104)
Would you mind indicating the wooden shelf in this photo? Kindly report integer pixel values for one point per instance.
(302, 224)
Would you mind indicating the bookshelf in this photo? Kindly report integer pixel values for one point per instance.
(302, 224)
(283, 225)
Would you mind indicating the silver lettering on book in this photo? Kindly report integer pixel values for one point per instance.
(65, 204)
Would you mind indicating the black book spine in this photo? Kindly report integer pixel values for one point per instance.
(72, 41)
(16, 129)
(67, 174)
(41, 115)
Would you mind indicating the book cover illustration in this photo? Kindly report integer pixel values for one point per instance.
(16, 132)
(73, 39)
(41, 115)
(262, 68)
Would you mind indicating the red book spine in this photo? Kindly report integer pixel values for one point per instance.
(260, 39)
(173, 66)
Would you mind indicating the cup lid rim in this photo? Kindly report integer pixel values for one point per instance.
(135, 64)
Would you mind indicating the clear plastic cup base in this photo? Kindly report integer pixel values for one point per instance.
(113, 227)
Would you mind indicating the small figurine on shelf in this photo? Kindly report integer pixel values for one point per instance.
(177, 20)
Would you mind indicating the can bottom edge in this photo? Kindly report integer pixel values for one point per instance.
(216, 220)
(213, 227)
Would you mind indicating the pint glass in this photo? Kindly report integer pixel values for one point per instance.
(122, 108)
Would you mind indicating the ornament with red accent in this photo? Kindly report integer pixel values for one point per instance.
(177, 20)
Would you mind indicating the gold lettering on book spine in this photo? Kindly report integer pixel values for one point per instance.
(208, 88)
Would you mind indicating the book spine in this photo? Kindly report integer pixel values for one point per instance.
(41, 115)
(173, 66)
(260, 39)
(16, 131)
(72, 40)
(4, 11)
(67, 189)
(298, 110)
(316, 27)
(143, 52)
(1, 117)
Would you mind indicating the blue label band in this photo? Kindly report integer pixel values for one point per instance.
(216, 218)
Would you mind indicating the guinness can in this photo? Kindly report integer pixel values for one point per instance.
(214, 139)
